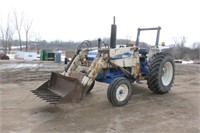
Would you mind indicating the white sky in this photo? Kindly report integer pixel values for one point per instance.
(90, 19)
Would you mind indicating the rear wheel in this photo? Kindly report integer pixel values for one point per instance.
(161, 73)
(119, 92)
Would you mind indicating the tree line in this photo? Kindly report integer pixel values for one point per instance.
(18, 24)
(180, 51)
(15, 24)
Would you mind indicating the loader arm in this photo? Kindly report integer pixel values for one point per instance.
(77, 59)
(72, 85)
(97, 64)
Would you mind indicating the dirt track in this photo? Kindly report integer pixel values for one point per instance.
(22, 112)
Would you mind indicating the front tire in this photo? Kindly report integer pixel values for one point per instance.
(119, 92)
(161, 73)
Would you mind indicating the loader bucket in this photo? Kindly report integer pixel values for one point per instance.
(60, 89)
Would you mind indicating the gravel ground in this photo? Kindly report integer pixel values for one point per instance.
(22, 112)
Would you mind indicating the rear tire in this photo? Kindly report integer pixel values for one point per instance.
(161, 73)
(119, 92)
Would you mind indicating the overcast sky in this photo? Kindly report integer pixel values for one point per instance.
(90, 19)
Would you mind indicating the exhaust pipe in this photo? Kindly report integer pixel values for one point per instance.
(113, 34)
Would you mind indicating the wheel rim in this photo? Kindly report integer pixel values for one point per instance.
(167, 74)
(122, 92)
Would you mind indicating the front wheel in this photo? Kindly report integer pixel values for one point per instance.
(119, 92)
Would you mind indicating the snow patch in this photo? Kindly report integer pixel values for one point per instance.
(18, 66)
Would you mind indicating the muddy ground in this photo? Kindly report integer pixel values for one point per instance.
(23, 112)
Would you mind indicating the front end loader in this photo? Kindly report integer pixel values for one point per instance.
(117, 65)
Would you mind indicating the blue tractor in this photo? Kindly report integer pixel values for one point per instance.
(117, 65)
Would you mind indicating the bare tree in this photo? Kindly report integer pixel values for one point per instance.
(180, 49)
(180, 42)
(196, 50)
(2, 34)
(27, 25)
(18, 21)
(7, 34)
(38, 39)
(196, 45)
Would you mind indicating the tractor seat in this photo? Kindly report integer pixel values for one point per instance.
(143, 51)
